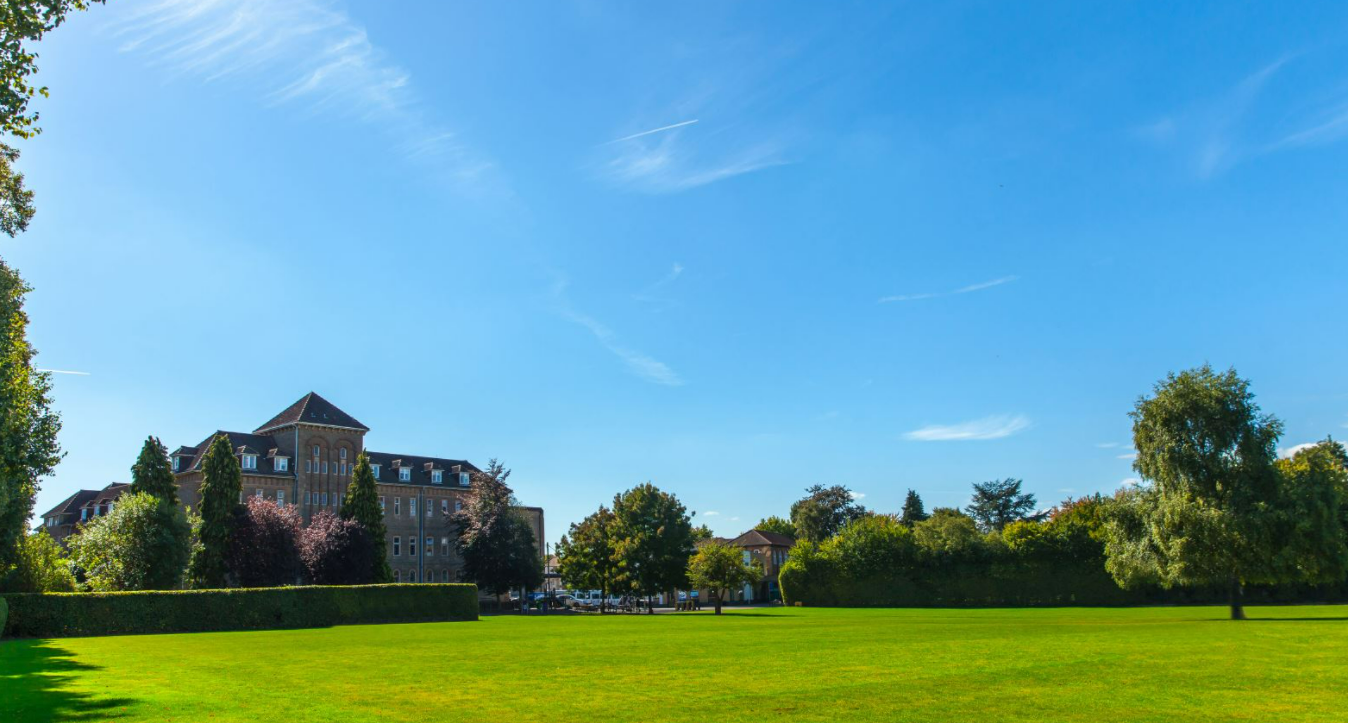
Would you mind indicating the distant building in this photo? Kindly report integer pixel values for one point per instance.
(771, 550)
(62, 520)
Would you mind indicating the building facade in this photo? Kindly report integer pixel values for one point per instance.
(771, 550)
(306, 456)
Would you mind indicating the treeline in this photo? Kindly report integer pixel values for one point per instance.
(1218, 517)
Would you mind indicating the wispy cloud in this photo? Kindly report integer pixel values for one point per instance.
(994, 427)
(639, 364)
(664, 160)
(1107, 445)
(1129, 455)
(710, 513)
(735, 519)
(653, 131)
(652, 294)
(962, 290)
(65, 371)
(303, 53)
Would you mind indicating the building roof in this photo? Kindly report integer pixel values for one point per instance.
(266, 466)
(763, 537)
(421, 468)
(83, 498)
(107, 494)
(312, 409)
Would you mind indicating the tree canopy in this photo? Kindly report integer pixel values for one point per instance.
(720, 567)
(141, 545)
(913, 511)
(587, 555)
(361, 504)
(823, 511)
(654, 539)
(221, 487)
(152, 473)
(780, 525)
(998, 503)
(497, 544)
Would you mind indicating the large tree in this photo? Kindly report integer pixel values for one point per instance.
(998, 503)
(221, 487)
(361, 504)
(1207, 512)
(337, 551)
(28, 425)
(1312, 519)
(719, 567)
(653, 535)
(913, 511)
(823, 511)
(141, 545)
(264, 544)
(42, 567)
(587, 557)
(497, 544)
(152, 473)
(775, 523)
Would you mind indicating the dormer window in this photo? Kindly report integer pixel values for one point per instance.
(177, 462)
(463, 479)
(282, 463)
(375, 468)
(248, 461)
(437, 476)
(404, 474)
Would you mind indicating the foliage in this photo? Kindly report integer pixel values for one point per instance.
(719, 567)
(142, 544)
(653, 536)
(335, 551)
(947, 536)
(176, 611)
(998, 503)
(28, 424)
(587, 556)
(1207, 517)
(361, 504)
(264, 546)
(153, 473)
(780, 525)
(1312, 518)
(16, 201)
(498, 547)
(42, 566)
(221, 486)
(823, 511)
(22, 21)
(913, 511)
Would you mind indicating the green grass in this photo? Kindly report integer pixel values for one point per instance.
(1096, 665)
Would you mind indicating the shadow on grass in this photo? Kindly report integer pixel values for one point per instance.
(36, 677)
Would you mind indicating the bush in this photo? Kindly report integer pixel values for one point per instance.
(264, 545)
(41, 566)
(46, 615)
(4, 613)
(141, 545)
(336, 551)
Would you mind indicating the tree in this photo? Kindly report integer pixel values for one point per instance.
(998, 503)
(28, 425)
(947, 536)
(913, 512)
(824, 511)
(221, 487)
(498, 547)
(264, 544)
(141, 545)
(587, 556)
(1206, 516)
(16, 202)
(780, 525)
(1312, 518)
(361, 505)
(720, 567)
(653, 535)
(152, 472)
(42, 566)
(337, 551)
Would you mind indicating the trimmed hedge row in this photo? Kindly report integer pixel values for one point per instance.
(50, 615)
(4, 613)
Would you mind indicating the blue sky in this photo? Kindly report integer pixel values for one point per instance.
(732, 248)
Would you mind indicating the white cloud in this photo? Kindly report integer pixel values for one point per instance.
(668, 163)
(1130, 455)
(962, 290)
(710, 513)
(1107, 445)
(994, 427)
(734, 519)
(306, 53)
(857, 495)
(1130, 482)
(1288, 452)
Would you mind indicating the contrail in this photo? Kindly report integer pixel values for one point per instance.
(63, 371)
(653, 130)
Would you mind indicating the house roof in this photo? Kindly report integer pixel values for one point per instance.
(312, 409)
(421, 467)
(83, 498)
(266, 466)
(108, 494)
(763, 537)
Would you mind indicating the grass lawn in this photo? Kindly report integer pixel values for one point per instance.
(1161, 664)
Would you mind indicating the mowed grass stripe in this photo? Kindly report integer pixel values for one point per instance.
(1094, 665)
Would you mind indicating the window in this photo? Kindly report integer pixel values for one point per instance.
(325, 499)
(282, 463)
(280, 497)
(430, 547)
(325, 468)
(342, 453)
(375, 468)
(381, 503)
(397, 546)
(411, 575)
(257, 493)
(411, 507)
(458, 505)
(84, 511)
(411, 547)
(463, 479)
(177, 461)
(397, 507)
(306, 497)
(249, 461)
(437, 476)
(404, 474)
(318, 451)
(444, 548)
(397, 575)
(308, 466)
(444, 507)
(430, 510)
(445, 576)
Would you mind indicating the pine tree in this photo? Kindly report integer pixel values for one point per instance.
(221, 487)
(152, 472)
(362, 505)
(913, 512)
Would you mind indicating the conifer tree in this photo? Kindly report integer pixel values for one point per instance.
(362, 505)
(913, 511)
(152, 472)
(221, 486)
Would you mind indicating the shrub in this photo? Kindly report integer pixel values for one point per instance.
(263, 549)
(45, 615)
(4, 613)
(141, 545)
(336, 551)
(41, 566)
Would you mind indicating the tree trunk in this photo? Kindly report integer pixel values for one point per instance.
(1237, 608)
(717, 595)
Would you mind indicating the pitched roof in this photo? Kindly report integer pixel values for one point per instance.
(421, 468)
(266, 466)
(763, 537)
(312, 409)
(73, 503)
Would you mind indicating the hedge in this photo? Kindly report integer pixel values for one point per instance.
(49, 615)
(4, 613)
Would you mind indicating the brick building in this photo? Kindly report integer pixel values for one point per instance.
(771, 549)
(306, 456)
(62, 520)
